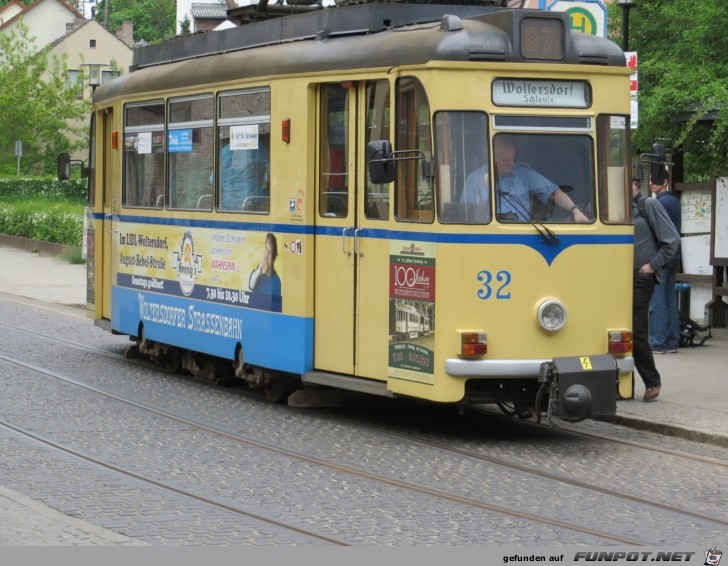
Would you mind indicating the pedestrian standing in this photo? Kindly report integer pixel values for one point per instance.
(655, 242)
(664, 313)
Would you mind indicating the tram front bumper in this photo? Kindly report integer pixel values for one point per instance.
(585, 387)
(510, 369)
(580, 386)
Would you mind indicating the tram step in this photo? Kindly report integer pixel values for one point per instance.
(347, 382)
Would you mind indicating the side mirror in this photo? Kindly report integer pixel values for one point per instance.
(382, 168)
(64, 166)
(637, 172)
(657, 164)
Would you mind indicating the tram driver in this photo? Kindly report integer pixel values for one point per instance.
(516, 183)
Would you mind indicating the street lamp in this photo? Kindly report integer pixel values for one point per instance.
(94, 75)
(626, 6)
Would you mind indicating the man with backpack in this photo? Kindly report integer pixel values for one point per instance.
(655, 243)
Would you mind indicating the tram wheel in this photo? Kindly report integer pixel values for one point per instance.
(171, 360)
(512, 410)
(277, 390)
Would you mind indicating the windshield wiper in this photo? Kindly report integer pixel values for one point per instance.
(547, 235)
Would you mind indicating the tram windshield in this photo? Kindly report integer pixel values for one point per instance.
(531, 177)
(540, 177)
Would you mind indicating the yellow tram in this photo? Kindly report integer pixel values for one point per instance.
(268, 202)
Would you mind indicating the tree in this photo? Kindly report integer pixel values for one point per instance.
(37, 102)
(683, 71)
(154, 20)
(184, 26)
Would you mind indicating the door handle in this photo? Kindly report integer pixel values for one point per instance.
(343, 239)
(356, 242)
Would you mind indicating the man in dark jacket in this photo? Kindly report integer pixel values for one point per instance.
(655, 243)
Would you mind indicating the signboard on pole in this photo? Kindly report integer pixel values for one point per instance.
(634, 86)
(586, 16)
(18, 152)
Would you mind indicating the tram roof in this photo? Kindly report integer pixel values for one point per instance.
(347, 38)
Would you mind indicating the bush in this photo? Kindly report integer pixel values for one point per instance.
(43, 209)
(72, 191)
(61, 223)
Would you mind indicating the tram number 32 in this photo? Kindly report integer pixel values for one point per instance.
(490, 284)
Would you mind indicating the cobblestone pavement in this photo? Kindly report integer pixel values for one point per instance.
(26, 522)
(333, 503)
(67, 502)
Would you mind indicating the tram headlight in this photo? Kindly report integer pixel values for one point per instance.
(552, 315)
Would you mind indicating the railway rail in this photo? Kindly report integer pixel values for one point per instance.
(444, 446)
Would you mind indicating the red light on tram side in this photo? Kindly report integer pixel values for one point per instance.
(620, 342)
(473, 344)
(115, 140)
(286, 130)
(475, 349)
(620, 348)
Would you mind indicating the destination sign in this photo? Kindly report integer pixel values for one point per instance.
(554, 94)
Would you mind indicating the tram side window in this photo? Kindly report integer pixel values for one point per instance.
(334, 151)
(190, 144)
(414, 184)
(144, 155)
(615, 196)
(461, 146)
(243, 151)
(377, 128)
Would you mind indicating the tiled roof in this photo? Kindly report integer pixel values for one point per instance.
(209, 11)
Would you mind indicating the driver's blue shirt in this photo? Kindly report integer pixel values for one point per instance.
(513, 191)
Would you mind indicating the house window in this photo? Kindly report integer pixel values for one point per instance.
(92, 43)
(73, 82)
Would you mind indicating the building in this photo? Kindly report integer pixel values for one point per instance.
(204, 15)
(91, 51)
(10, 9)
(46, 19)
(87, 45)
(94, 53)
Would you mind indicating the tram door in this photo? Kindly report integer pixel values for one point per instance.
(351, 270)
(334, 297)
(104, 288)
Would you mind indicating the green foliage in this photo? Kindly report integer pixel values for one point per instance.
(154, 20)
(43, 209)
(683, 72)
(36, 105)
(75, 256)
(185, 26)
(51, 190)
(40, 219)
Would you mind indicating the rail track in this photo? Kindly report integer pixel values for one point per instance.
(390, 431)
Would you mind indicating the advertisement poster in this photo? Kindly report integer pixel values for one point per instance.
(180, 141)
(695, 209)
(412, 311)
(244, 137)
(217, 266)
